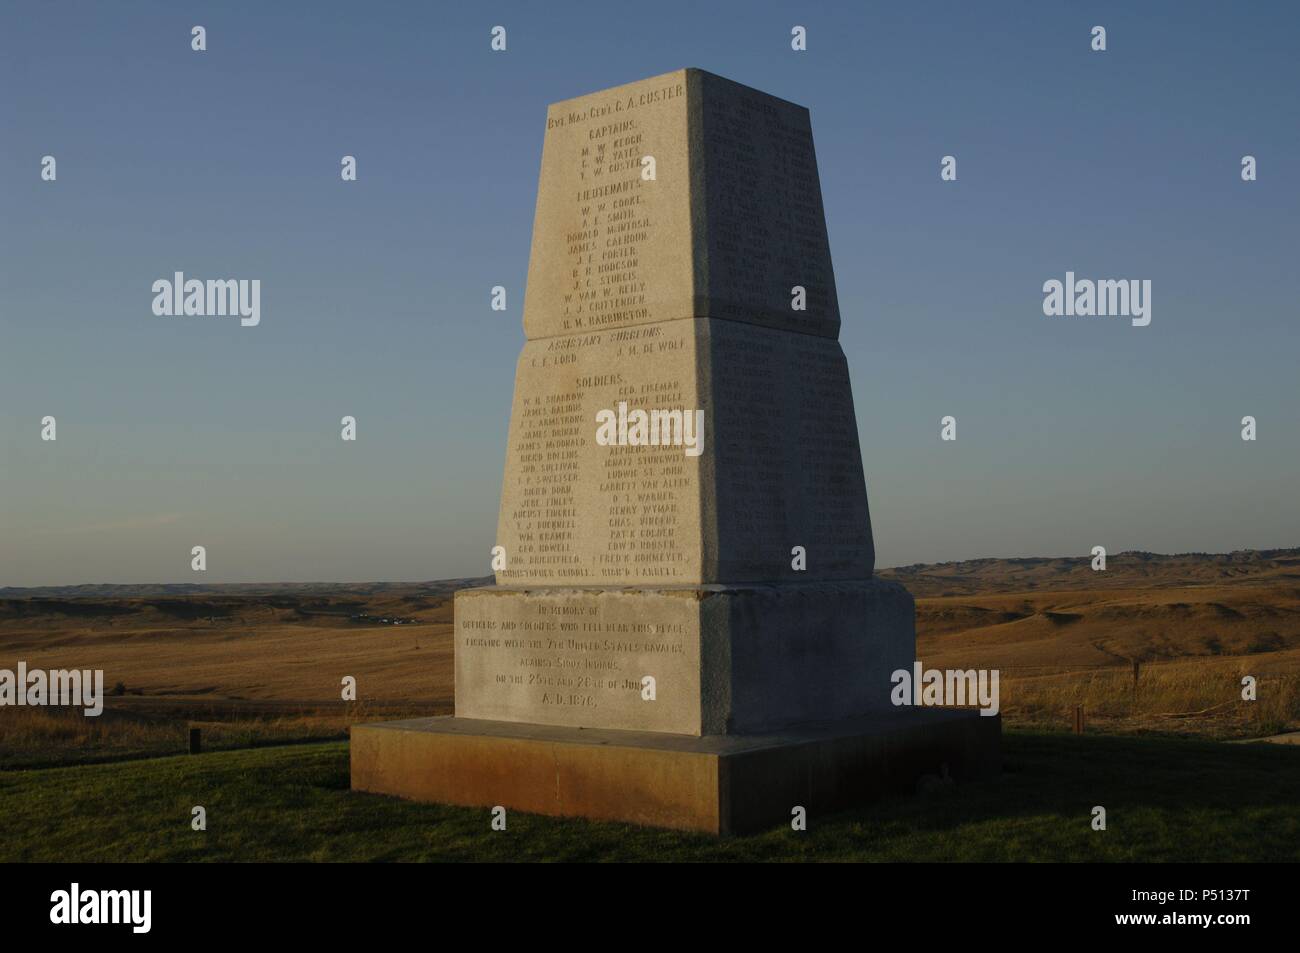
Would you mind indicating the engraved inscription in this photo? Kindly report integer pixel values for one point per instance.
(607, 243)
(576, 512)
(578, 658)
(724, 230)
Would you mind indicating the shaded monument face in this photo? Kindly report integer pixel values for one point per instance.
(684, 517)
(674, 294)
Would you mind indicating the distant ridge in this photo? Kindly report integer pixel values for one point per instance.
(180, 589)
(1133, 569)
(1130, 569)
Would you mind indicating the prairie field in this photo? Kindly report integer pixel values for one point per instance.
(247, 668)
(1155, 644)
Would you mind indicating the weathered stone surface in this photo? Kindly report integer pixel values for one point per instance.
(785, 467)
(724, 659)
(757, 201)
(609, 249)
(575, 512)
(561, 656)
(731, 222)
(672, 295)
(780, 467)
(788, 654)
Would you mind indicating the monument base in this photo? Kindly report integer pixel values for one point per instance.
(719, 784)
(734, 659)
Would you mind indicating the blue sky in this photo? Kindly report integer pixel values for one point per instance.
(1071, 432)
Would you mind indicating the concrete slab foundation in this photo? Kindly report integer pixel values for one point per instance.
(715, 784)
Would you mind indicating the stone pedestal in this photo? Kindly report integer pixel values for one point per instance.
(724, 659)
(717, 784)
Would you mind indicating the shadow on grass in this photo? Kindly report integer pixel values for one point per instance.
(1165, 800)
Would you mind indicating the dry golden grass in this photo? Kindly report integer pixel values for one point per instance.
(1193, 645)
(257, 665)
(41, 737)
(246, 670)
(249, 651)
(1084, 629)
(1183, 698)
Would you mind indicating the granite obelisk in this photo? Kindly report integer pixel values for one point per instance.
(685, 627)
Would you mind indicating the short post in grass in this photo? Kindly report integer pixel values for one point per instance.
(196, 740)
(1078, 719)
(1137, 670)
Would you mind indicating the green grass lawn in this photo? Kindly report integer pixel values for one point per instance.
(1165, 800)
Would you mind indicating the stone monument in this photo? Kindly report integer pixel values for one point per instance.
(685, 630)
